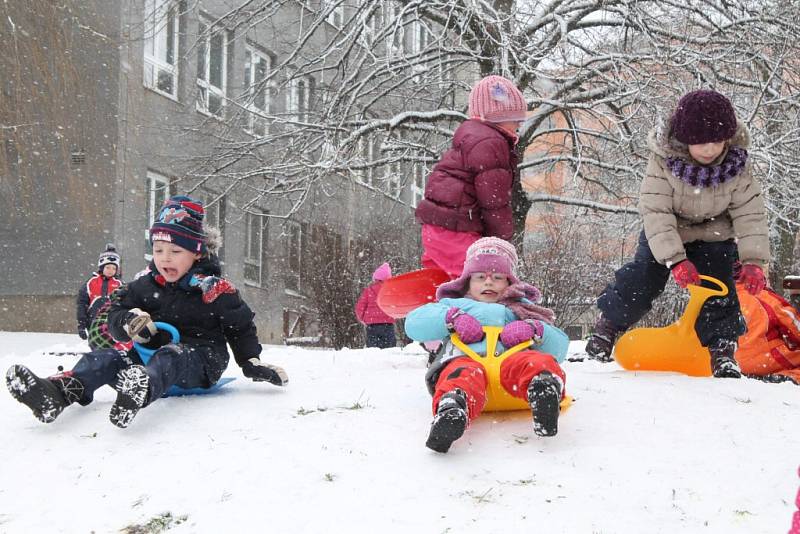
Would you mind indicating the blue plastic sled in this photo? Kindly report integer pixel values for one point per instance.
(145, 354)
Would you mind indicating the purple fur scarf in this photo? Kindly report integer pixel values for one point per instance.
(512, 297)
(709, 176)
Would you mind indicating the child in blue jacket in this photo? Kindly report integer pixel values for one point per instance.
(488, 293)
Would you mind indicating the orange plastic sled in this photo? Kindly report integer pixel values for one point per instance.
(405, 292)
(675, 347)
(497, 398)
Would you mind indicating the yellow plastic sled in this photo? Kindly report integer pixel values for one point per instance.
(497, 398)
(672, 348)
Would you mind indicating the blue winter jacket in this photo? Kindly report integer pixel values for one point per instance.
(427, 323)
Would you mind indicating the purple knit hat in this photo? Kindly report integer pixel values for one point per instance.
(382, 273)
(703, 116)
(488, 254)
(496, 99)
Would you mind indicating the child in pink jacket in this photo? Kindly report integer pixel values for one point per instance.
(468, 193)
(380, 327)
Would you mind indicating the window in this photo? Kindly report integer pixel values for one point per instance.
(364, 157)
(421, 36)
(395, 41)
(336, 15)
(298, 98)
(294, 254)
(212, 59)
(255, 261)
(161, 47)
(394, 175)
(257, 90)
(156, 192)
(372, 21)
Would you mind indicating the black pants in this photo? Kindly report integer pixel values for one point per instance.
(381, 335)
(638, 283)
(182, 365)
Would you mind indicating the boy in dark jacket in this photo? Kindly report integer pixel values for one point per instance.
(183, 288)
(468, 193)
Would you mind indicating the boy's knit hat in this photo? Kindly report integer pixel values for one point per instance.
(180, 221)
(382, 273)
(488, 254)
(108, 257)
(497, 99)
(703, 116)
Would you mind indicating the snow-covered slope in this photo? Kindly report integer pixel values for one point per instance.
(341, 449)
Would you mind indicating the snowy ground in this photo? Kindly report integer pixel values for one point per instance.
(341, 449)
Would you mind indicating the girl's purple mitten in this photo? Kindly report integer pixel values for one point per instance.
(516, 332)
(467, 327)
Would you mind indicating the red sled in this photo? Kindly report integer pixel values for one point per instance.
(405, 292)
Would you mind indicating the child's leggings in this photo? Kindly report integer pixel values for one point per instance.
(638, 283)
(182, 365)
(516, 373)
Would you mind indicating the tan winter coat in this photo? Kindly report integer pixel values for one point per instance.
(675, 212)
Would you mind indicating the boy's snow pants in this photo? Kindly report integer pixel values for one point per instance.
(638, 283)
(516, 373)
(182, 365)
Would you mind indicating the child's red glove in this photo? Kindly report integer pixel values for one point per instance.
(685, 273)
(752, 278)
(467, 327)
(516, 332)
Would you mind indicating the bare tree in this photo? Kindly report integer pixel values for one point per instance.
(389, 80)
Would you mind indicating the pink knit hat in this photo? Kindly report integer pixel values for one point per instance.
(488, 254)
(496, 99)
(382, 273)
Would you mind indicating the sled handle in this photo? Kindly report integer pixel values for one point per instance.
(144, 353)
(698, 295)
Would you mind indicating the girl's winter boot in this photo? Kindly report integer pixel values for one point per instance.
(133, 385)
(601, 342)
(449, 422)
(46, 397)
(544, 397)
(723, 363)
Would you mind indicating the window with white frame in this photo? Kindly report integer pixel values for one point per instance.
(161, 36)
(372, 22)
(298, 98)
(336, 15)
(212, 63)
(393, 18)
(394, 175)
(156, 192)
(255, 261)
(294, 254)
(258, 90)
(421, 36)
(365, 157)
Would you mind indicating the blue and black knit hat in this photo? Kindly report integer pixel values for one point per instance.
(180, 221)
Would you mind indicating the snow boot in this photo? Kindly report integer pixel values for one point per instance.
(601, 342)
(544, 397)
(46, 397)
(449, 422)
(723, 363)
(133, 385)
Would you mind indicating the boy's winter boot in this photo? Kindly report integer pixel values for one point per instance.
(46, 397)
(602, 340)
(133, 385)
(449, 422)
(723, 362)
(544, 397)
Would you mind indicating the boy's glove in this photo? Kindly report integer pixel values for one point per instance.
(139, 326)
(467, 327)
(83, 334)
(263, 372)
(752, 278)
(685, 273)
(516, 332)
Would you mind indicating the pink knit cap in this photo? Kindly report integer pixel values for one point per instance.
(496, 99)
(487, 254)
(382, 273)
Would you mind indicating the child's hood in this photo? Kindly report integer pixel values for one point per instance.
(660, 143)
